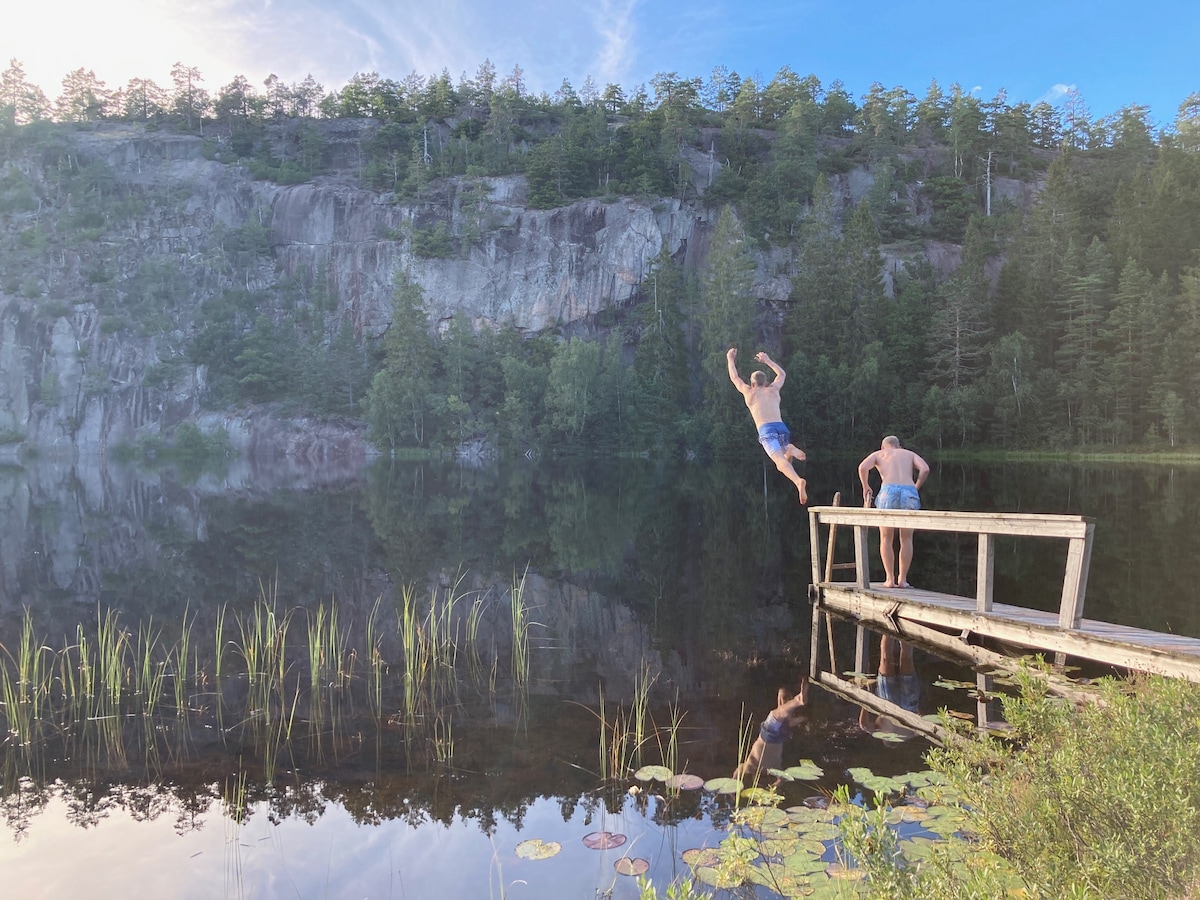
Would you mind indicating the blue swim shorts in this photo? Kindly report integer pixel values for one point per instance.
(772, 731)
(775, 437)
(898, 496)
(903, 690)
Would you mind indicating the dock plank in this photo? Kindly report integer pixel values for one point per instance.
(1104, 642)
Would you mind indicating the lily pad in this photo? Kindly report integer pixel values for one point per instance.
(536, 848)
(762, 818)
(816, 831)
(701, 856)
(715, 877)
(603, 840)
(760, 795)
(805, 863)
(841, 873)
(653, 773)
(805, 770)
(631, 866)
(723, 785)
(685, 782)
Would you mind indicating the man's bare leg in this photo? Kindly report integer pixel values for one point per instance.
(784, 465)
(886, 554)
(906, 555)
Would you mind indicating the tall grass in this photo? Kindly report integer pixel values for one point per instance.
(110, 690)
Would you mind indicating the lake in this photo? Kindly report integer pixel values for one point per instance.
(381, 681)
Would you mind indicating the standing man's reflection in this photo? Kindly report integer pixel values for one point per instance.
(898, 683)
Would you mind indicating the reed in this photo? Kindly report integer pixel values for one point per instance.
(640, 714)
(376, 664)
(180, 654)
(413, 644)
(520, 631)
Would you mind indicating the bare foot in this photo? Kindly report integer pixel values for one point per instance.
(888, 584)
(802, 487)
(904, 584)
(794, 452)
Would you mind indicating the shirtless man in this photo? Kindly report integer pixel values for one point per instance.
(762, 400)
(898, 491)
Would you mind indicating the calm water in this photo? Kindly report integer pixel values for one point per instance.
(691, 579)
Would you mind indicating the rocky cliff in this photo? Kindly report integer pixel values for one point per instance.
(112, 238)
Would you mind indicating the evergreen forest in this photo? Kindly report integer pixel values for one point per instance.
(1069, 320)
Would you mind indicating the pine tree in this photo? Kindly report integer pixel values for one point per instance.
(726, 320)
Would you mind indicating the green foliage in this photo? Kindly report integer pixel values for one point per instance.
(1100, 799)
(401, 401)
(434, 242)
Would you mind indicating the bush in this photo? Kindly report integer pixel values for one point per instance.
(1099, 799)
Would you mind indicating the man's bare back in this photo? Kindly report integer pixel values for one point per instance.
(896, 465)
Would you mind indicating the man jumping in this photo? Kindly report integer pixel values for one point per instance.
(762, 400)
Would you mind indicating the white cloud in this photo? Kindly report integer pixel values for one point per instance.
(1056, 93)
(616, 29)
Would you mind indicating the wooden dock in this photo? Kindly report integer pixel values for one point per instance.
(964, 625)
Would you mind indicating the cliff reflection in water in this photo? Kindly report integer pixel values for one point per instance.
(630, 579)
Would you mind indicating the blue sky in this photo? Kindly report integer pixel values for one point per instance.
(1114, 54)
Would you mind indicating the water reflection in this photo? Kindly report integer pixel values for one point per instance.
(694, 575)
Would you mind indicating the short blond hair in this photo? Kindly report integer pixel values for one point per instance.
(891, 441)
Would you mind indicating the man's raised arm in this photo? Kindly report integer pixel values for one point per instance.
(780, 375)
(731, 359)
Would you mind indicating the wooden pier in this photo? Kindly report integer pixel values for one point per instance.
(974, 627)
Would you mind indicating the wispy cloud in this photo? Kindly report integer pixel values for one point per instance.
(615, 26)
(1056, 93)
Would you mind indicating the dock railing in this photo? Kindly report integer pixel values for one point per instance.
(1076, 530)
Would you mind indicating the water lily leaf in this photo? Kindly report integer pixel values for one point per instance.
(918, 848)
(780, 881)
(805, 863)
(840, 872)
(653, 773)
(761, 795)
(761, 818)
(815, 831)
(685, 782)
(952, 684)
(805, 770)
(889, 736)
(921, 779)
(806, 814)
(781, 844)
(536, 848)
(603, 840)
(858, 773)
(635, 866)
(881, 784)
(701, 856)
(715, 877)
(723, 785)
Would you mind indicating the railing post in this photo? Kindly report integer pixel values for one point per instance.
(985, 570)
(862, 565)
(1079, 558)
(814, 546)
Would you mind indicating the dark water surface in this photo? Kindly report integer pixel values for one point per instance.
(683, 584)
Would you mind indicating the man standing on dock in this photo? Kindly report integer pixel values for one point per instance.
(899, 490)
(762, 400)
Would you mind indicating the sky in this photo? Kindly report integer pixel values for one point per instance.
(1115, 53)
